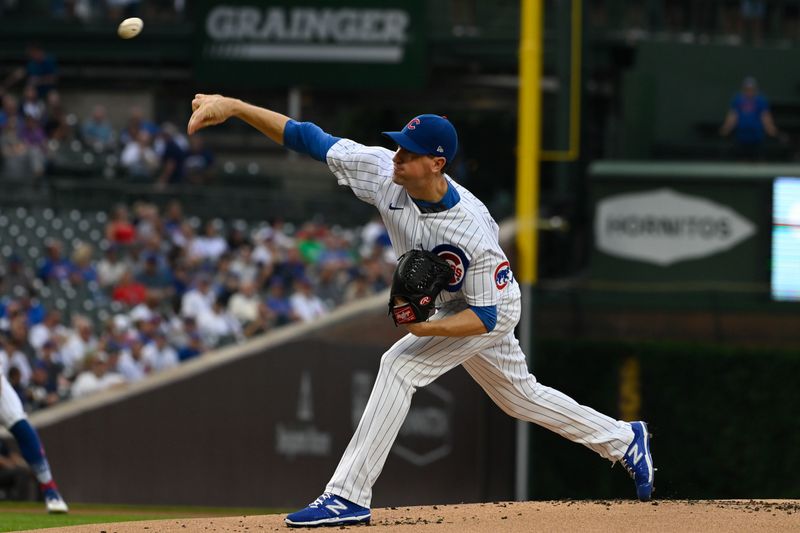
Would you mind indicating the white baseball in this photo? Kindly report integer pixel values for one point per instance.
(130, 28)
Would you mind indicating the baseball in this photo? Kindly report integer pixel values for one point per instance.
(130, 28)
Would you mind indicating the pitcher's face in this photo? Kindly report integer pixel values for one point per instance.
(411, 169)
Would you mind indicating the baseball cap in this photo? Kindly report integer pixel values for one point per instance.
(427, 135)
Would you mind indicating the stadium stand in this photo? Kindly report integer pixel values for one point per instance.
(162, 283)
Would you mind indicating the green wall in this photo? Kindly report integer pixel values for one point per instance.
(673, 88)
(724, 420)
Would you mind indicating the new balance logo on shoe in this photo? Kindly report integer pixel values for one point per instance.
(329, 510)
(635, 454)
(336, 506)
(638, 461)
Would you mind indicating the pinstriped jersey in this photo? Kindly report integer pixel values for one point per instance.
(465, 234)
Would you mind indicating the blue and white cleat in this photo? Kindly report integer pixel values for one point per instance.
(638, 461)
(54, 503)
(329, 510)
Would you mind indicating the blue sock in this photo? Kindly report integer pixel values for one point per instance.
(32, 450)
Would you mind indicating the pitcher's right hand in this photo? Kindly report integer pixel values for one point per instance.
(209, 110)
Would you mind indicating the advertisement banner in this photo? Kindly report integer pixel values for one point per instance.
(360, 43)
(663, 227)
(686, 231)
(268, 427)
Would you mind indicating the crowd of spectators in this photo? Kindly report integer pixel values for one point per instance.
(35, 127)
(178, 294)
(732, 22)
(87, 11)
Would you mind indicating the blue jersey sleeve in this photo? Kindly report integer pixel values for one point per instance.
(308, 138)
(487, 314)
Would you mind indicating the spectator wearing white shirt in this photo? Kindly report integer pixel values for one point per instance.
(148, 310)
(280, 237)
(245, 304)
(370, 233)
(264, 251)
(80, 343)
(12, 357)
(199, 299)
(209, 246)
(148, 221)
(183, 236)
(218, 324)
(132, 363)
(139, 158)
(159, 354)
(305, 303)
(48, 329)
(244, 265)
(96, 378)
(111, 267)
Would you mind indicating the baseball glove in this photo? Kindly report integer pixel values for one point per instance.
(419, 278)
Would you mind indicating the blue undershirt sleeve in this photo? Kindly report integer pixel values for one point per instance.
(487, 314)
(308, 138)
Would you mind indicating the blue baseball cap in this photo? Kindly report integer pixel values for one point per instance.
(427, 135)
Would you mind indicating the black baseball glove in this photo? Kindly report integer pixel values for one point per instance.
(419, 278)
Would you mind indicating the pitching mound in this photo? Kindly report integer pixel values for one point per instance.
(584, 516)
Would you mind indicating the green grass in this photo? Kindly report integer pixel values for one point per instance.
(16, 516)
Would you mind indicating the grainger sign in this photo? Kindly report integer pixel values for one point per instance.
(360, 43)
(664, 227)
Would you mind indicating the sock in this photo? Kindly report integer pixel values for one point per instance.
(32, 450)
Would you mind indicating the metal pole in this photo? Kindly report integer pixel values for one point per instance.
(522, 488)
(528, 158)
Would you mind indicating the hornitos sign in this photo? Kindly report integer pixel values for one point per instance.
(326, 34)
(664, 227)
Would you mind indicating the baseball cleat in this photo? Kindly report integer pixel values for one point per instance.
(638, 461)
(329, 510)
(54, 502)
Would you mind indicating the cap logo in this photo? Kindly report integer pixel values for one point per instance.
(412, 124)
(440, 149)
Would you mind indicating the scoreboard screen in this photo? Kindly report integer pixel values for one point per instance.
(786, 239)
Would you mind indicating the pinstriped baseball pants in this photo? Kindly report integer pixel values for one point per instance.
(497, 363)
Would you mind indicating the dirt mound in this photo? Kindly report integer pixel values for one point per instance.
(707, 516)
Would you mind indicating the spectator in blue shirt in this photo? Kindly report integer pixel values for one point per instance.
(32, 307)
(155, 277)
(54, 267)
(172, 168)
(97, 130)
(750, 119)
(278, 303)
(199, 163)
(193, 347)
(42, 70)
(83, 270)
(135, 125)
(290, 269)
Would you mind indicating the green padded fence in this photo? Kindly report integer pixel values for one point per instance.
(725, 420)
